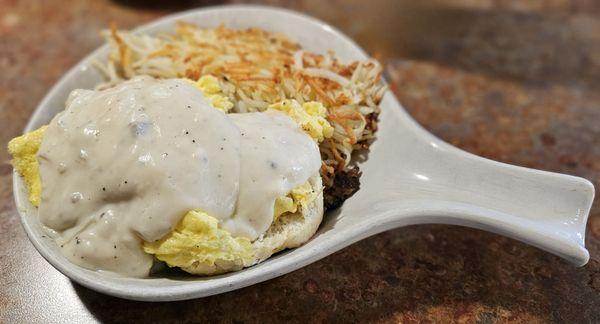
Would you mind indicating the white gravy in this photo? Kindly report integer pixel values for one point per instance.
(276, 158)
(123, 165)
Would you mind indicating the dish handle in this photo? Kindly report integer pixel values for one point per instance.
(439, 183)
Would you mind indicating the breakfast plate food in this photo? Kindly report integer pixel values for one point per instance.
(207, 149)
(180, 159)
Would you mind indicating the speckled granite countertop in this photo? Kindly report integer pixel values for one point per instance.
(515, 81)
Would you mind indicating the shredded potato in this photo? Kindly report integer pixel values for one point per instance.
(256, 69)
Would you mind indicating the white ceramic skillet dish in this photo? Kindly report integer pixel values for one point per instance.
(410, 177)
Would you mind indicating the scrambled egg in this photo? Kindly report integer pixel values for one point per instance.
(197, 238)
(24, 150)
(310, 116)
(209, 86)
(300, 196)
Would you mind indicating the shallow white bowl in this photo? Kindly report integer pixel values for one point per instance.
(410, 177)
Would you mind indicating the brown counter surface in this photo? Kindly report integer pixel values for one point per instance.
(515, 81)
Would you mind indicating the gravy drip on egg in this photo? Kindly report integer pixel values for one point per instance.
(124, 164)
(276, 158)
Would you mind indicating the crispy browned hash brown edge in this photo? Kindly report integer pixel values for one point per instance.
(346, 182)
